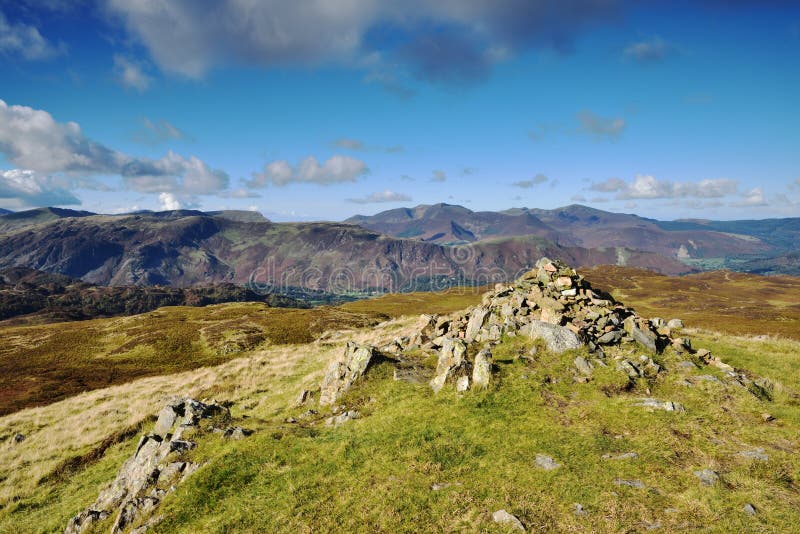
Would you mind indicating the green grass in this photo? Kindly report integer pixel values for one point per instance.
(375, 474)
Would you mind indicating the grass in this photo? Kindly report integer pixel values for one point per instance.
(374, 474)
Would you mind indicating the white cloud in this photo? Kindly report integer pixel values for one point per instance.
(25, 41)
(337, 169)
(158, 131)
(381, 196)
(33, 139)
(527, 184)
(21, 188)
(752, 198)
(648, 187)
(130, 74)
(648, 51)
(609, 128)
(168, 202)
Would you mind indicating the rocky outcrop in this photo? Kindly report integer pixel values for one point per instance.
(156, 467)
(452, 363)
(345, 370)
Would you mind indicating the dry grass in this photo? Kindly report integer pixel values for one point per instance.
(733, 303)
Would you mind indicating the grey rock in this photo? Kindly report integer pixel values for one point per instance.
(655, 404)
(482, 370)
(583, 366)
(674, 323)
(749, 509)
(644, 337)
(477, 320)
(303, 397)
(686, 364)
(462, 384)
(18, 438)
(755, 454)
(637, 484)
(341, 418)
(609, 338)
(452, 358)
(504, 518)
(708, 477)
(546, 462)
(557, 338)
(621, 456)
(628, 368)
(345, 370)
(579, 510)
(237, 432)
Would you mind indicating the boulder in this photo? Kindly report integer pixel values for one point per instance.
(675, 323)
(452, 358)
(502, 517)
(556, 338)
(477, 320)
(708, 477)
(482, 370)
(644, 337)
(345, 370)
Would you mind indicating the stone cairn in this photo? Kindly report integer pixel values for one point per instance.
(551, 303)
(156, 467)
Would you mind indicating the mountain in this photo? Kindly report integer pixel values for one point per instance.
(185, 248)
(12, 220)
(590, 228)
(43, 297)
(4, 211)
(448, 224)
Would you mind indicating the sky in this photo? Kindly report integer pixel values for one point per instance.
(322, 109)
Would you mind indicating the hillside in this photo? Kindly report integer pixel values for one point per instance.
(561, 438)
(191, 248)
(33, 297)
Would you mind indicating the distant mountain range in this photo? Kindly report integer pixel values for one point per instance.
(402, 249)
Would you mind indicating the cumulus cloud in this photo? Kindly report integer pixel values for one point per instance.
(381, 196)
(33, 139)
(22, 188)
(752, 198)
(439, 176)
(336, 169)
(608, 128)
(25, 41)
(168, 202)
(449, 41)
(527, 184)
(154, 132)
(652, 50)
(131, 74)
(648, 187)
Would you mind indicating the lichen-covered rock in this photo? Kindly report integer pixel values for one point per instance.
(477, 320)
(556, 338)
(502, 517)
(345, 370)
(482, 370)
(452, 361)
(154, 469)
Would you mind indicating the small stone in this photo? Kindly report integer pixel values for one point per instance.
(482, 370)
(583, 366)
(579, 510)
(303, 397)
(443, 485)
(749, 509)
(546, 462)
(19, 438)
(462, 384)
(504, 518)
(755, 454)
(675, 323)
(686, 364)
(342, 418)
(708, 477)
(622, 456)
(569, 292)
(655, 404)
(637, 484)
(767, 417)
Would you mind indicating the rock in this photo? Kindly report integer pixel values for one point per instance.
(237, 432)
(609, 338)
(452, 359)
(18, 438)
(755, 454)
(704, 355)
(546, 462)
(686, 364)
(644, 337)
(569, 292)
(583, 366)
(563, 282)
(628, 368)
(345, 370)
(136, 490)
(708, 477)
(675, 323)
(504, 518)
(341, 418)
(622, 456)
(303, 397)
(638, 484)
(657, 322)
(655, 404)
(749, 509)
(444, 485)
(477, 320)
(556, 338)
(577, 509)
(767, 417)
(482, 370)
(462, 384)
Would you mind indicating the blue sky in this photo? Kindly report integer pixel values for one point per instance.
(320, 110)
